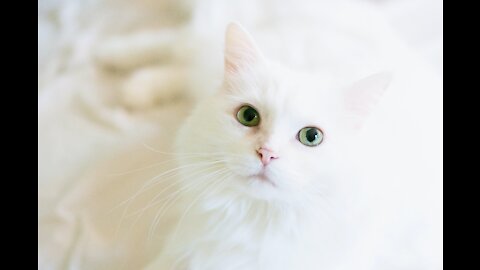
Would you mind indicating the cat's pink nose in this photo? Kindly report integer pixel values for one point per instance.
(266, 155)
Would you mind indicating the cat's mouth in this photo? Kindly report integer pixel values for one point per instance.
(262, 176)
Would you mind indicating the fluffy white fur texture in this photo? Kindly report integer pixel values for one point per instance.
(369, 197)
(303, 216)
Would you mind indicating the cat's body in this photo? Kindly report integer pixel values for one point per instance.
(359, 200)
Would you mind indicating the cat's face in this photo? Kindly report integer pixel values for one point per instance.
(270, 133)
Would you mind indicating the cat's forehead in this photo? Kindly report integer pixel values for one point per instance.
(297, 94)
(284, 96)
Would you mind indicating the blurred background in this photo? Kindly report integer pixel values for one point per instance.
(67, 29)
(108, 70)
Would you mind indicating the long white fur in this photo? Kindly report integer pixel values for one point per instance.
(306, 219)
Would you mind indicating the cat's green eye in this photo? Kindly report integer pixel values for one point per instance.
(310, 136)
(248, 116)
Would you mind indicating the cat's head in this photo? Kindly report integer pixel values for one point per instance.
(271, 133)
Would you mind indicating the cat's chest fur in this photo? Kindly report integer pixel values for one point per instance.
(221, 233)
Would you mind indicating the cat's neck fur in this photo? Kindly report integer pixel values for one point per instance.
(252, 230)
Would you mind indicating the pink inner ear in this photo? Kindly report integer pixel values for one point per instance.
(239, 56)
(362, 101)
(231, 66)
(240, 49)
(364, 96)
(360, 105)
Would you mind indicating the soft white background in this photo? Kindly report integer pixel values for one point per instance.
(81, 119)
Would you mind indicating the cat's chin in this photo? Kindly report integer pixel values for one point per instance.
(261, 187)
(263, 178)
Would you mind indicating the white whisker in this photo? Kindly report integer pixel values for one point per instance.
(216, 187)
(167, 205)
(167, 175)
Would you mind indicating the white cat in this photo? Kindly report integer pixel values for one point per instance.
(278, 175)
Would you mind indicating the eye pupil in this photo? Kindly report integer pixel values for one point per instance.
(249, 114)
(311, 135)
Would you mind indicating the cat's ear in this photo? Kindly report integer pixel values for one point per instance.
(241, 51)
(362, 97)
